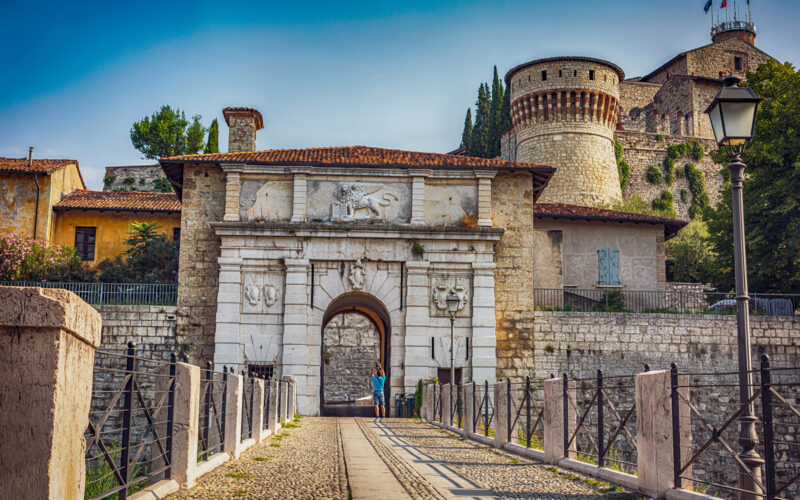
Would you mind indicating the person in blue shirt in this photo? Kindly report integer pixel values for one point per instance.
(378, 378)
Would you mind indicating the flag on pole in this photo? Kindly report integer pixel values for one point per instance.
(724, 4)
(708, 5)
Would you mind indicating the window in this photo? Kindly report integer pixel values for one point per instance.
(544, 75)
(443, 374)
(560, 74)
(608, 266)
(84, 242)
(260, 371)
(574, 72)
(591, 74)
(176, 236)
(737, 63)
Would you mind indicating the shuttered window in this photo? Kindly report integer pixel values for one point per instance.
(608, 266)
(84, 242)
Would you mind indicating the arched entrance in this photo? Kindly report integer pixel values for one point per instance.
(356, 332)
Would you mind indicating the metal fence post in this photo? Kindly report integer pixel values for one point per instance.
(508, 410)
(127, 418)
(600, 429)
(209, 376)
(676, 434)
(566, 416)
(434, 401)
(486, 408)
(224, 401)
(170, 412)
(528, 411)
(769, 436)
(474, 417)
(459, 403)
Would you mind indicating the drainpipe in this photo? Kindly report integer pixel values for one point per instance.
(38, 192)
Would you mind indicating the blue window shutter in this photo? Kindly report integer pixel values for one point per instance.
(602, 266)
(613, 266)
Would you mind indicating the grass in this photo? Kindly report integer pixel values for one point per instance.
(601, 486)
(240, 475)
(260, 459)
(291, 425)
(99, 478)
(275, 445)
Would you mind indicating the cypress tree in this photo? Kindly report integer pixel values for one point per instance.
(480, 134)
(466, 135)
(212, 146)
(505, 113)
(495, 117)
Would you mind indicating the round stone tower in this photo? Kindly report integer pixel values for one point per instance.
(564, 111)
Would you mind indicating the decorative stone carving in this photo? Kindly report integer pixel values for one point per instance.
(253, 293)
(442, 290)
(357, 275)
(270, 294)
(355, 201)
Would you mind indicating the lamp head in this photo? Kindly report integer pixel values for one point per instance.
(452, 302)
(733, 113)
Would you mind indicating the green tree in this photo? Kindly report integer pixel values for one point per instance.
(771, 187)
(150, 258)
(212, 146)
(690, 254)
(505, 112)
(480, 133)
(167, 132)
(495, 117)
(466, 135)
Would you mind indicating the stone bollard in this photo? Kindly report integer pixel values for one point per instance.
(291, 397)
(284, 402)
(469, 415)
(272, 407)
(655, 472)
(446, 393)
(47, 343)
(258, 411)
(553, 419)
(233, 415)
(502, 414)
(186, 422)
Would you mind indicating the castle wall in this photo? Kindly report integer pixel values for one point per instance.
(716, 60)
(634, 98)
(135, 178)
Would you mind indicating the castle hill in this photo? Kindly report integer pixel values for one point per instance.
(263, 253)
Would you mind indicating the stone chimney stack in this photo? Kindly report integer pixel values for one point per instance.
(243, 123)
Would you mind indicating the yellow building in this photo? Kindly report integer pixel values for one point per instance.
(28, 191)
(97, 223)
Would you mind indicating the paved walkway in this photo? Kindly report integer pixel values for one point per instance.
(387, 460)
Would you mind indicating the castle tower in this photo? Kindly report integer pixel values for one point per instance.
(564, 111)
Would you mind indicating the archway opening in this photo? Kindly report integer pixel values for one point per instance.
(356, 333)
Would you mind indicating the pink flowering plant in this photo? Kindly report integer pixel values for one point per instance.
(23, 259)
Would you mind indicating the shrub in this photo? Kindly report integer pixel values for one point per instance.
(653, 174)
(28, 260)
(150, 258)
(128, 181)
(663, 205)
(108, 180)
(162, 185)
(660, 138)
(417, 249)
(623, 169)
(696, 151)
(669, 170)
(469, 221)
(684, 195)
(418, 397)
(697, 185)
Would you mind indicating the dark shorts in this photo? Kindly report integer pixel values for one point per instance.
(377, 396)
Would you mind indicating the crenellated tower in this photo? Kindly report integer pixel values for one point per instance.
(565, 111)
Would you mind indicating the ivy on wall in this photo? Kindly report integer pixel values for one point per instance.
(664, 203)
(623, 168)
(693, 149)
(697, 185)
(653, 174)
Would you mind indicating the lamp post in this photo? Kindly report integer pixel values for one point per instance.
(452, 308)
(733, 118)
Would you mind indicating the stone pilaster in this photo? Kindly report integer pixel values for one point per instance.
(295, 328)
(226, 336)
(485, 197)
(233, 417)
(186, 423)
(233, 189)
(467, 401)
(447, 400)
(272, 405)
(553, 419)
(418, 195)
(483, 355)
(418, 341)
(299, 195)
(258, 411)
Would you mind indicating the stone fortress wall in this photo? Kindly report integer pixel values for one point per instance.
(134, 178)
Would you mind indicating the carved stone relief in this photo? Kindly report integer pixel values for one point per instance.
(260, 293)
(353, 201)
(357, 275)
(441, 289)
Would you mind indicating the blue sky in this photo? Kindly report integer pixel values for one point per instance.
(389, 74)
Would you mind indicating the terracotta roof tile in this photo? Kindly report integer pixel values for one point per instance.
(130, 201)
(20, 165)
(579, 212)
(351, 156)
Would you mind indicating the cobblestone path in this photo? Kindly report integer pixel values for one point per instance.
(309, 461)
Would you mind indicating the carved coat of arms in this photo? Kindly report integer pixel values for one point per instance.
(357, 275)
(442, 290)
(350, 197)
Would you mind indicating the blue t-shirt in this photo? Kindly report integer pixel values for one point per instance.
(377, 382)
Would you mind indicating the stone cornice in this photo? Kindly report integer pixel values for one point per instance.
(373, 231)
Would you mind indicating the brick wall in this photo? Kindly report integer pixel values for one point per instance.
(151, 327)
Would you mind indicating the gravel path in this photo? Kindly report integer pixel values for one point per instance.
(506, 474)
(307, 463)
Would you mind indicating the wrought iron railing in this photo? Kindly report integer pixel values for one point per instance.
(483, 408)
(267, 399)
(165, 294)
(661, 301)
(248, 392)
(527, 412)
(213, 393)
(129, 436)
(437, 403)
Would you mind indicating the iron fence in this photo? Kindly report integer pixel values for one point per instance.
(662, 301)
(437, 403)
(165, 294)
(213, 393)
(129, 436)
(483, 408)
(267, 398)
(527, 412)
(710, 461)
(248, 393)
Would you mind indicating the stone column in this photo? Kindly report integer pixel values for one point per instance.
(186, 422)
(469, 417)
(446, 393)
(483, 355)
(299, 194)
(233, 189)
(291, 397)
(233, 416)
(418, 195)
(295, 328)
(485, 197)
(417, 340)
(258, 411)
(47, 343)
(655, 473)
(272, 408)
(553, 419)
(501, 402)
(229, 302)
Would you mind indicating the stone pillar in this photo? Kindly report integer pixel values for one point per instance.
(233, 189)
(483, 355)
(418, 362)
(186, 423)
(233, 416)
(485, 197)
(291, 397)
(501, 402)
(446, 393)
(427, 402)
(258, 411)
(47, 343)
(299, 193)
(272, 408)
(284, 403)
(655, 473)
(553, 419)
(229, 303)
(295, 329)
(418, 195)
(469, 417)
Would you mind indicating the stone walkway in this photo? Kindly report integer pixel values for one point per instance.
(387, 459)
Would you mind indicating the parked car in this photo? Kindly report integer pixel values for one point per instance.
(768, 307)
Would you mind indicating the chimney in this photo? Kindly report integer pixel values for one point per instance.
(30, 157)
(243, 123)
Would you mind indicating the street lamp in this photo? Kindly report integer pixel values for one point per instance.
(452, 307)
(733, 118)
